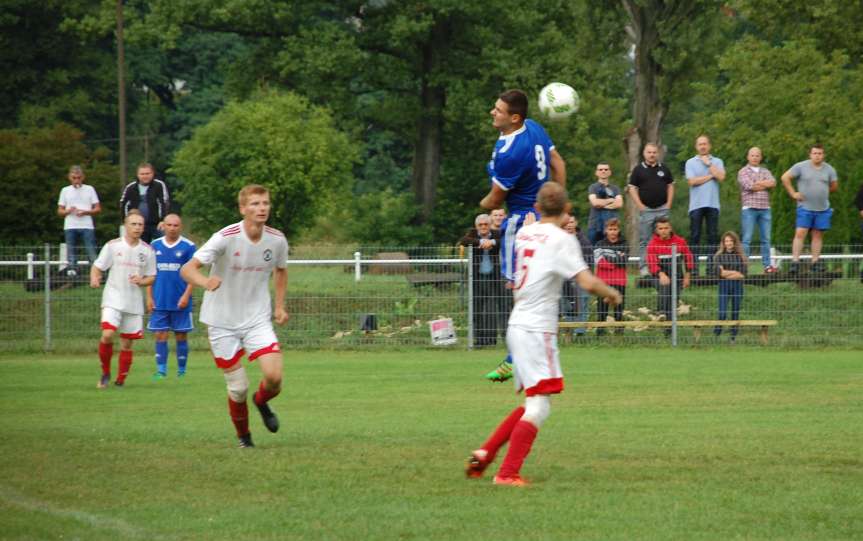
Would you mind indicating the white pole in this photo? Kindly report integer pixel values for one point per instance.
(358, 271)
(30, 269)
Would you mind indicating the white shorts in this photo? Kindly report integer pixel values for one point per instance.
(535, 361)
(131, 326)
(229, 345)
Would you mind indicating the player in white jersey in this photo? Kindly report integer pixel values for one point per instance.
(236, 306)
(131, 265)
(545, 256)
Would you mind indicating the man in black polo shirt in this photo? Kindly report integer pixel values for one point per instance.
(651, 186)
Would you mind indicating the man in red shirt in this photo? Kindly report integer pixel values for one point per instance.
(659, 264)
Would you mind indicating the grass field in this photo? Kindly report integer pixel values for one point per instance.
(714, 444)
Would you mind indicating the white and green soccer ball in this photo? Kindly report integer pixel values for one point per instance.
(558, 101)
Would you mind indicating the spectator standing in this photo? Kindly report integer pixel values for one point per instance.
(487, 285)
(610, 256)
(816, 179)
(169, 299)
(651, 186)
(575, 301)
(755, 182)
(659, 261)
(131, 265)
(730, 262)
(77, 204)
(150, 197)
(605, 200)
(704, 172)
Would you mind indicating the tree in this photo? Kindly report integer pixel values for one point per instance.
(276, 139)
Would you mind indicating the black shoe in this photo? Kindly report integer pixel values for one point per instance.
(794, 268)
(819, 267)
(246, 441)
(267, 415)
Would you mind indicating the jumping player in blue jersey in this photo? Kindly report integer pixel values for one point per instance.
(523, 159)
(169, 299)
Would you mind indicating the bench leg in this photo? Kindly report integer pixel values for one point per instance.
(696, 333)
(763, 334)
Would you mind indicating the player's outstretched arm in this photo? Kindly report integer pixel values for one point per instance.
(280, 280)
(494, 199)
(558, 168)
(191, 273)
(589, 282)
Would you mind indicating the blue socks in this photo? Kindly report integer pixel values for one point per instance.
(182, 356)
(508, 359)
(162, 357)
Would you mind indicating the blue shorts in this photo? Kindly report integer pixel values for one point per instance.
(170, 320)
(814, 219)
(510, 227)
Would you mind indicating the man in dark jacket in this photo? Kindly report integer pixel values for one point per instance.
(150, 196)
(488, 287)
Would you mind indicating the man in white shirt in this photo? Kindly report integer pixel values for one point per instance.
(545, 256)
(236, 306)
(77, 204)
(131, 265)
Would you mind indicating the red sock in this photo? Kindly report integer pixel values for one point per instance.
(263, 395)
(502, 433)
(240, 416)
(106, 351)
(522, 439)
(125, 362)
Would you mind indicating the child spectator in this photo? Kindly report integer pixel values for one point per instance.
(659, 262)
(610, 256)
(730, 263)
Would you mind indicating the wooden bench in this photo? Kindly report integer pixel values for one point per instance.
(696, 325)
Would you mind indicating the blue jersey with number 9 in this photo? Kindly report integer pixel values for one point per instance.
(520, 164)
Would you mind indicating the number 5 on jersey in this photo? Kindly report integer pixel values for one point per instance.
(522, 259)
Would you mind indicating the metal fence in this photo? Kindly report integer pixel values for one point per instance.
(353, 297)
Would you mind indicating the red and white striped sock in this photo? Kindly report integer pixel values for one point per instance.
(519, 446)
(239, 412)
(106, 351)
(502, 433)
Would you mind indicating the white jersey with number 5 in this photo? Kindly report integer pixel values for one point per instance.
(546, 255)
(122, 261)
(243, 299)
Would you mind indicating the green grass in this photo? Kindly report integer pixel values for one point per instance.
(711, 444)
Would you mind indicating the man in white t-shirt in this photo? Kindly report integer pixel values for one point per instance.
(236, 306)
(131, 265)
(77, 204)
(545, 256)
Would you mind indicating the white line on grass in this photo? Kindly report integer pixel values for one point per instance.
(123, 528)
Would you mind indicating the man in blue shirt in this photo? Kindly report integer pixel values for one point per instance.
(169, 299)
(523, 159)
(704, 172)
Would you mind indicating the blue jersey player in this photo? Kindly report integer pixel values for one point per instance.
(169, 299)
(523, 159)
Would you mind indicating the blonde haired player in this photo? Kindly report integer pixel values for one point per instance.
(546, 255)
(236, 306)
(131, 265)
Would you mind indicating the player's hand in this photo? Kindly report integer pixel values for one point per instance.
(212, 283)
(134, 279)
(281, 315)
(95, 282)
(160, 226)
(529, 218)
(664, 279)
(150, 305)
(183, 302)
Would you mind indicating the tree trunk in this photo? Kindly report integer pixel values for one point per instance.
(649, 108)
(427, 150)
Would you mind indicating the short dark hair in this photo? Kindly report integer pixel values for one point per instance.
(612, 221)
(146, 165)
(816, 145)
(552, 199)
(661, 220)
(516, 102)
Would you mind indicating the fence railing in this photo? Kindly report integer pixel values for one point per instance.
(385, 297)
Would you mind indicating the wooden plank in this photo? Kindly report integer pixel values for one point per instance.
(684, 323)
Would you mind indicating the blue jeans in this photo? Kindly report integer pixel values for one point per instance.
(575, 305)
(729, 290)
(596, 225)
(710, 216)
(749, 218)
(88, 236)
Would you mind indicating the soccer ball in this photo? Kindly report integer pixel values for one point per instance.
(558, 100)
